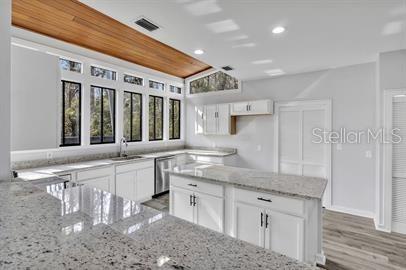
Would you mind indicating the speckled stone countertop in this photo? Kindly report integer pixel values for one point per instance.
(290, 185)
(48, 227)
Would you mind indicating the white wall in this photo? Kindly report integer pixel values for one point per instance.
(352, 90)
(34, 101)
(5, 24)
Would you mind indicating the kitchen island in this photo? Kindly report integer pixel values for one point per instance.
(46, 224)
(278, 212)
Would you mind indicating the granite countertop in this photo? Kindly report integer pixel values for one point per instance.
(53, 170)
(44, 226)
(291, 185)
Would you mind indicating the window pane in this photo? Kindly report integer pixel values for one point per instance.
(158, 118)
(133, 79)
(95, 114)
(137, 117)
(218, 81)
(103, 73)
(170, 119)
(174, 119)
(70, 65)
(156, 85)
(108, 115)
(175, 89)
(151, 117)
(127, 116)
(71, 114)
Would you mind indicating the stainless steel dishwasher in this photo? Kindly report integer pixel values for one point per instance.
(162, 177)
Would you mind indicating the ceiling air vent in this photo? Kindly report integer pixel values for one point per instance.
(146, 24)
(227, 68)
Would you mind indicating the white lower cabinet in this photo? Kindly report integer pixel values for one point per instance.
(248, 222)
(202, 208)
(102, 178)
(135, 181)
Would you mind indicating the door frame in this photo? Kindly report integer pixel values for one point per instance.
(385, 186)
(325, 104)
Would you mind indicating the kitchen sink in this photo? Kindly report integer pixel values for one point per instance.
(126, 158)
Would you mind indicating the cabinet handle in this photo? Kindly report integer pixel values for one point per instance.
(190, 200)
(265, 200)
(192, 185)
(249, 107)
(266, 221)
(262, 219)
(194, 200)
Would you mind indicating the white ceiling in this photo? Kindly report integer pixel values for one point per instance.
(319, 34)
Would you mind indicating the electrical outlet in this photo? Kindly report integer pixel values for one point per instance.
(50, 155)
(259, 148)
(368, 154)
(339, 147)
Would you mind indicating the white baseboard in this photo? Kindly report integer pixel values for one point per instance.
(380, 227)
(352, 211)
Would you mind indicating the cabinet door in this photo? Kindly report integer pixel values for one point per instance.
(210, 119)
(209, 211)
(285, 234)
(102, 183)
(247, 222)
(145, 183)
(180, 205)
(199, 117)
(259, 107)
(223, 119)
(125, 185)
(239, 108)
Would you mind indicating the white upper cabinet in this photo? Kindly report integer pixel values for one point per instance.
(252, 107)
(199, 120)
(210, 119)
(217, 119)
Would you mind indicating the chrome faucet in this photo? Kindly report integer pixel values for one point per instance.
(123, 153)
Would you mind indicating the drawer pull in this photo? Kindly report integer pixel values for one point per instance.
(192, 185)
(265, 200)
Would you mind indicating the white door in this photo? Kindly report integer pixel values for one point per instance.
(209, 211)
(284, 234)
(223, 118)
(259, 106)
(210, 119)
(145, 183)
(199, 116)
(181, 203)
(249, 223)
(102, 183)
(125, 185)
(300, 150)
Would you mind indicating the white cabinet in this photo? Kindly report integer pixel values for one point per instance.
(247, 222)
(135, 181)
(102, 178)
(252, 107)
(199, 120)
(217, 120)
(200, 203)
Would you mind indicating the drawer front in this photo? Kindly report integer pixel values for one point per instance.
(96, 173)
(270, 201)
(134, 166)
(198, 186)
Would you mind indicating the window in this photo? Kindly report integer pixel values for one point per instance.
(102, 115)
(156, 116)
(174, 119)
(71, 104)
(70, 65)
(132, 117)
(218, 81)
(103, 73)
(157, 85)
(175, 89)
(133, 79)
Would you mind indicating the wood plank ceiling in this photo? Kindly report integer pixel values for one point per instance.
(76, 23)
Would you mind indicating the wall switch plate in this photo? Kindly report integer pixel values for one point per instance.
(50, 155)
(259, 148)
(339, 147)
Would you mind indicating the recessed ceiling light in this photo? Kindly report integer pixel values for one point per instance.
(262, 62)
(199, 51)
(278, 30)
(274, 72)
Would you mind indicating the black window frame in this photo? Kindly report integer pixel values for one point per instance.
(142, 79)
(157, 82)
(101, 117)
(131, 116)
(171, 86)
(172, 117)
(162, 118)
(63, 144)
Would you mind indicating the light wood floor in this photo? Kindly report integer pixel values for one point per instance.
(350, 242)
